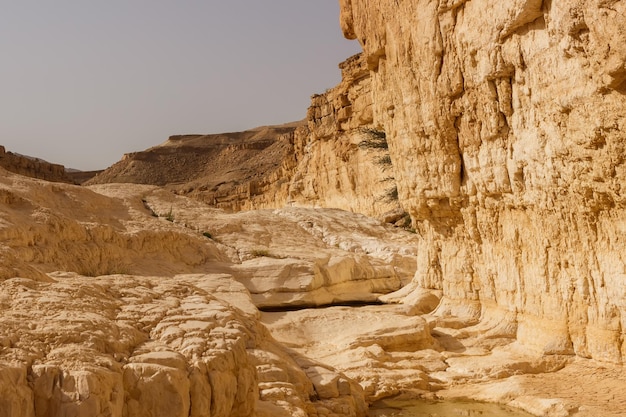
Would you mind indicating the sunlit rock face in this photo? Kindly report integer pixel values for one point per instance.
(505, 122)
(341, 161)
(189, 345)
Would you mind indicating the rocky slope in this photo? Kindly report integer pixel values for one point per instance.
(226, 170)
(129, 300)
(501, 127)
(392, 350)
(189, 345)
(505, 125)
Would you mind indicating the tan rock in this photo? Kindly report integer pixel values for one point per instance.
(367, 344)
(300, 256)
(294, 255)
(170, 344)
(140, 346)
(503, 121)
(33, 167)
(16, 397)
(390, 352)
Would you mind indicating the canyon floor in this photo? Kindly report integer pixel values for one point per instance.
(129, 300)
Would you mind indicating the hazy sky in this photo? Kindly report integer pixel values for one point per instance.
(84, 82)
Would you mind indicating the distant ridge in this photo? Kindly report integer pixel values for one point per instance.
(213, 167)
(33, 167)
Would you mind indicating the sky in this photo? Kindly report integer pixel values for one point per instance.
(83, 82)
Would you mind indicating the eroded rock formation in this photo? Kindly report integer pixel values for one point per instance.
(127, 300)
(505, 125)
(182, 346)
(33, 167)
(500, 124)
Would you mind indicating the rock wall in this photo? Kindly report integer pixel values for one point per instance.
(328, 159)
(505, 122)
(128, 300)
(341, 159)
(338, 159)
(33, 167)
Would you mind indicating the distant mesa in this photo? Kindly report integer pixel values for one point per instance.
(214, 168)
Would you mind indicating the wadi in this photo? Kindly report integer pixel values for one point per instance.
(448, 223)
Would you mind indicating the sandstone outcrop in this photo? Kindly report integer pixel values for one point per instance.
(33, 167)
(299, 256)
(152, 346)
(505, 126)
(110, 308)
(392, 351)
(292, 256)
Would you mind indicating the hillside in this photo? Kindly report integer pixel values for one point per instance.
(218, 158)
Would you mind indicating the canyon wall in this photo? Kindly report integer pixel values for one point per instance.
(338, 158)
(505, 122)
(343, 159)
(129, 300)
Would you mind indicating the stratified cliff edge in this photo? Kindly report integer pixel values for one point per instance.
(505, 122)
(33, 167)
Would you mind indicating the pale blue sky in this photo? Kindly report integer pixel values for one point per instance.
(84, 82)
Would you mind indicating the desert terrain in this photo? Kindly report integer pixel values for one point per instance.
(448, 223)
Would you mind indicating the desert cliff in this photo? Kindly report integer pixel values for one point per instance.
(505, 126)
(127, 300)
(500, 138)
(33, 167)
(256, 273)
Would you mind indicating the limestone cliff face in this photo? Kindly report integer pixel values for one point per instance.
(338, 159)
(342, 160)
(505, 122)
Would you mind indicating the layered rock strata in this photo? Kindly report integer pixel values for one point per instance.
(398, 354)
(505, 123)
(33, 167)
(293, 256)
(343, 162)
